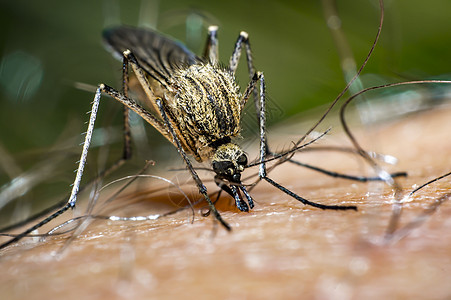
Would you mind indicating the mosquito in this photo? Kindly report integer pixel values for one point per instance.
(196, 104)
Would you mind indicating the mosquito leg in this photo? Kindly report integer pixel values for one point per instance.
(150, 118)
(36, 216)
(131, 104)
(345, 176)
(127, 152)
(240, 204)
(165, 128)
(200, 185)
(61, 208)
(127, 149)
(76, 185)
(263, 152)
(232, 190)
(211, 48)
(243, 38)
(236, 54)
(248, 196)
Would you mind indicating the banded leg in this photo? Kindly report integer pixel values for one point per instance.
(200, 185)
(127, 152)
(243, 38)
(127, 149)
(128, 104)
(76, 185)
(233, 190)
(211, 48)
(147, 116)
(263, 152)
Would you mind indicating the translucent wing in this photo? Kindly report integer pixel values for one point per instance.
(158, 55)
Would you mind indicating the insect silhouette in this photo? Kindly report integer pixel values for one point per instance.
(196, 104)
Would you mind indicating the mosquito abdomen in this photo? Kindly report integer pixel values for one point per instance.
(206, 104)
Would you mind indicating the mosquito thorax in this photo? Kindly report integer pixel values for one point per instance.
(229, 161)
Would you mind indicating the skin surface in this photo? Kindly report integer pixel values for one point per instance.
(280, 249)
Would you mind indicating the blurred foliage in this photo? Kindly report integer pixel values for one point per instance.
(48, 46)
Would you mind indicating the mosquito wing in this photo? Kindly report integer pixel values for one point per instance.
(157, 54)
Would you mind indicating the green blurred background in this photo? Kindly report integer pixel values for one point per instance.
(46, 47)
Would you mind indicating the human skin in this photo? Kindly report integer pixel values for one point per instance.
(281, 249)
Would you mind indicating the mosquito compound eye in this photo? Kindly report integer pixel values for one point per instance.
(242, 160)
(216, 165)
(222, 167)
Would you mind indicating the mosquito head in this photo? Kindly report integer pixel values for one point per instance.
(228, 162)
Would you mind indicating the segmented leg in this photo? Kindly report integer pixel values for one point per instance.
(76, 185)
(211, 48)
(200, 185)
(263, 152)
(243, 39)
